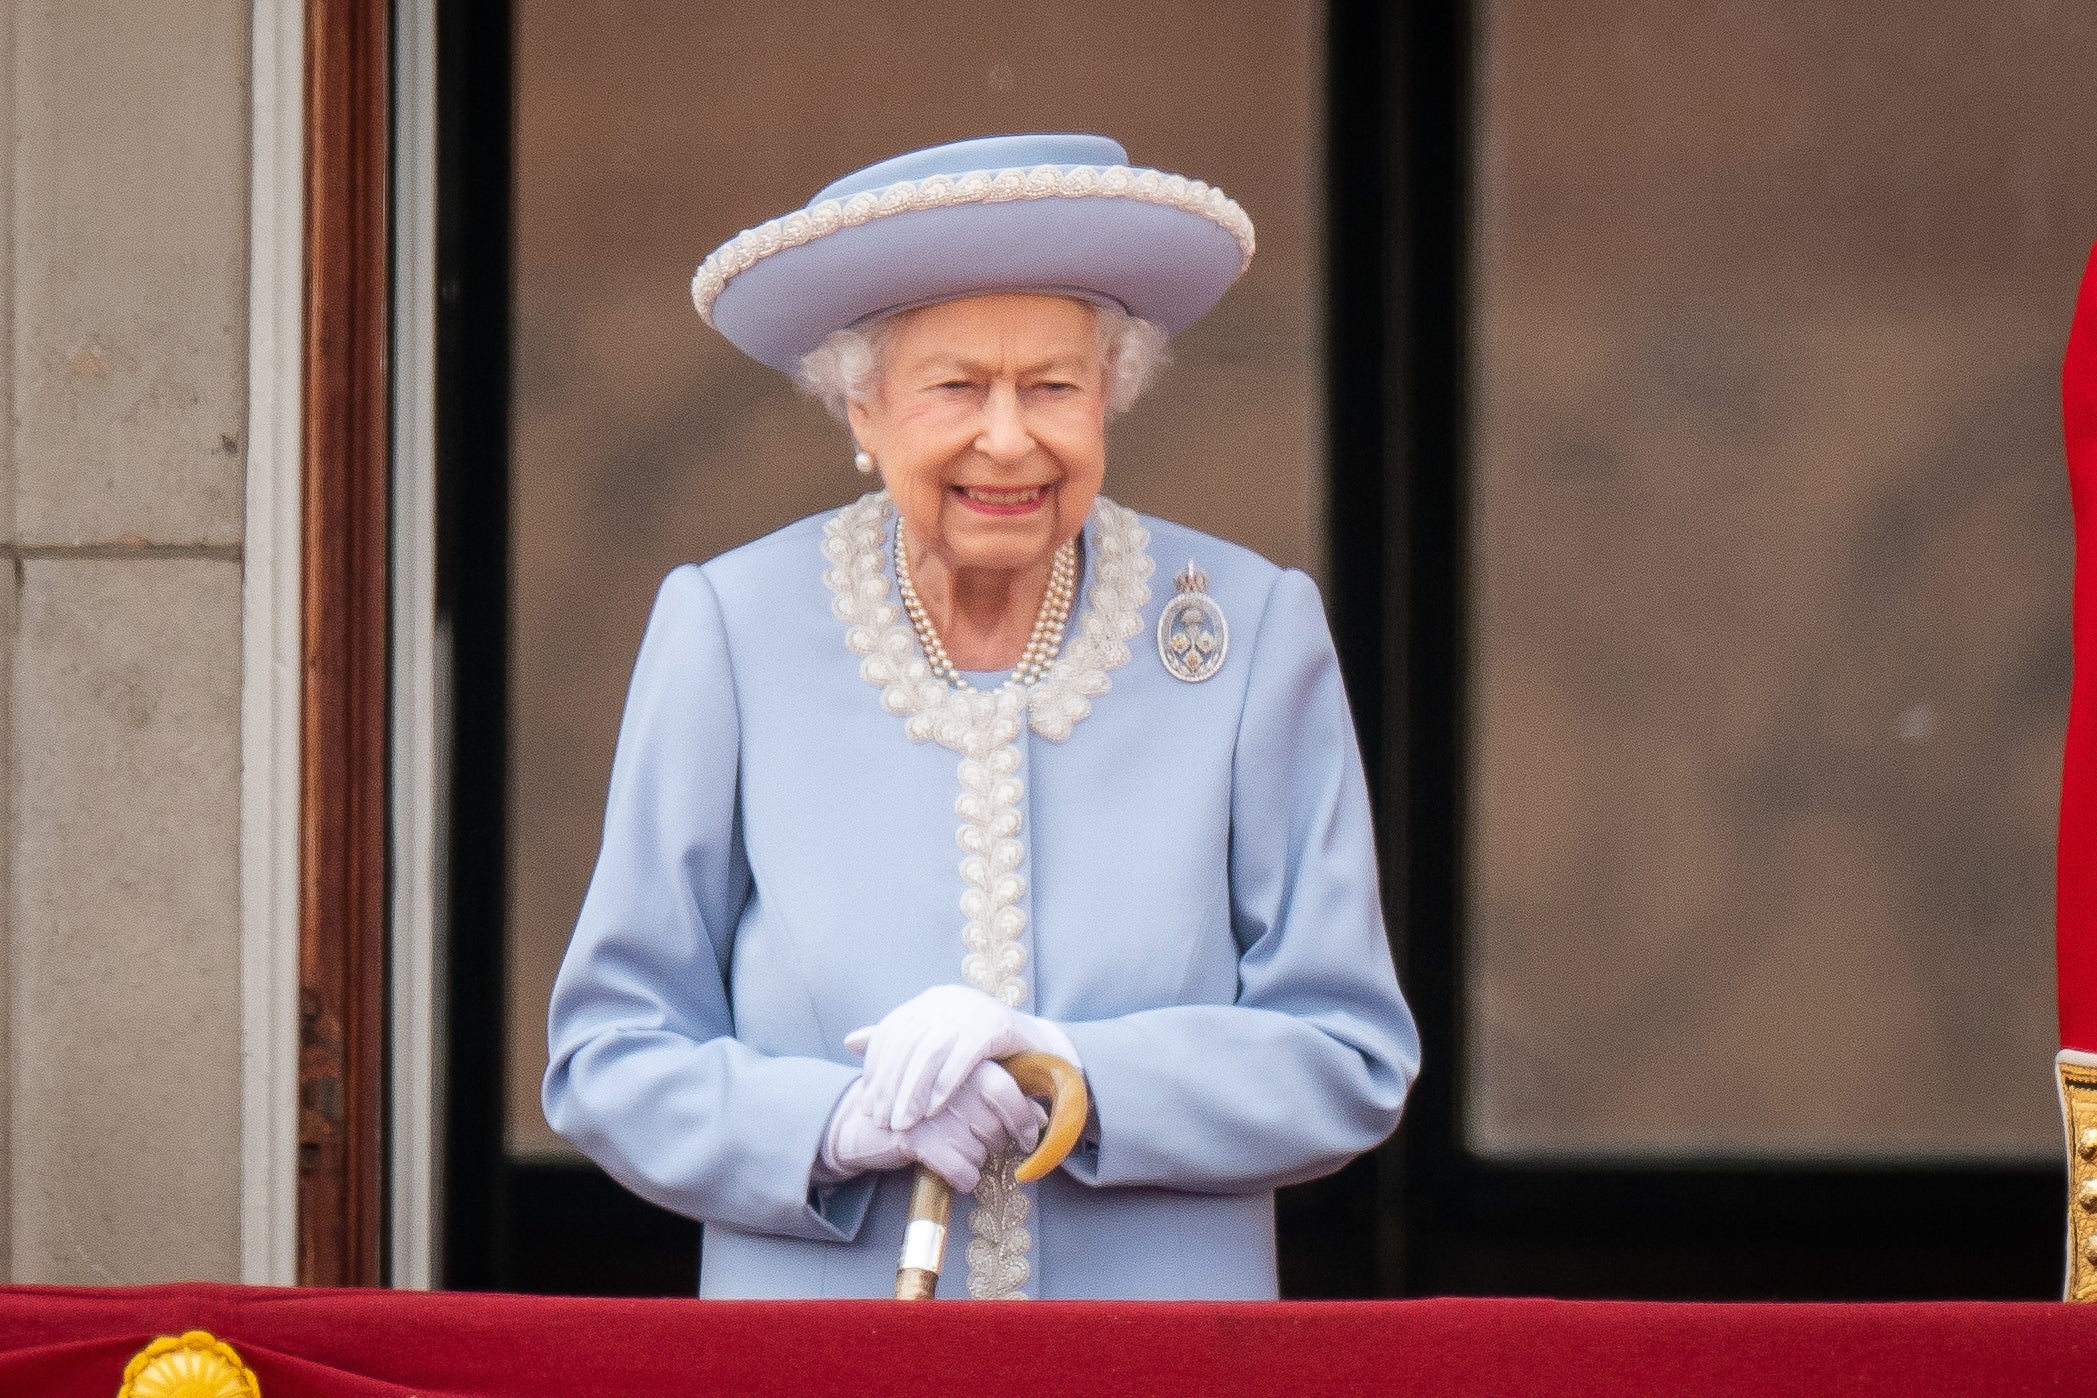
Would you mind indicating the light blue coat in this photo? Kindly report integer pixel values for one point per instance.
(779, 868)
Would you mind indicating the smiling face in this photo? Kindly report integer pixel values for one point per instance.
(987, 417)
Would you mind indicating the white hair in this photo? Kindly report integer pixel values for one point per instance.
(841, 370)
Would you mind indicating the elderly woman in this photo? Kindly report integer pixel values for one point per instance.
(793, 975)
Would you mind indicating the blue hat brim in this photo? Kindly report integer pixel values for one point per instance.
(1163, 248)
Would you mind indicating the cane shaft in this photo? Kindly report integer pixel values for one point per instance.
(924, 1237)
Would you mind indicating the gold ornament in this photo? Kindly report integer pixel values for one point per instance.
(2078, 1081)
(197, 1365)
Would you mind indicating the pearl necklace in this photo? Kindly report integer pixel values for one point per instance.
(1042, 645)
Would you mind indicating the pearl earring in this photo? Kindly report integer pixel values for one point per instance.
(864, 462)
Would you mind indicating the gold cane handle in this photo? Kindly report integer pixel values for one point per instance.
(1059, 1083)
(931, 1200)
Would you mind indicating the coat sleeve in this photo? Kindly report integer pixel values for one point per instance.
(645, 1074)
(1311, 1065)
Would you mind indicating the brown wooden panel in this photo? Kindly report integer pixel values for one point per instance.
(342, 928)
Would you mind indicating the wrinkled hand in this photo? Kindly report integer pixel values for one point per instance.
(986, 1115)
(926, 1047)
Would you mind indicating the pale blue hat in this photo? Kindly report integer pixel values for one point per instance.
(1058, 213)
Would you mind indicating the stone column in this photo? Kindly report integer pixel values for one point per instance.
(123, 283)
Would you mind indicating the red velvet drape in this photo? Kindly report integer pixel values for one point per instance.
(60, 1342)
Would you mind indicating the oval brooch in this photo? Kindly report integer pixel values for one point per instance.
(1192, 634)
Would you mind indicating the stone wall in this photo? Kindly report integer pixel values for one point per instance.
(123, 285)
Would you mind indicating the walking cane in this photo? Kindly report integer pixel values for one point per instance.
(925, 1236)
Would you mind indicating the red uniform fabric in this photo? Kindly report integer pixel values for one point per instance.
(59, 1342)
(2075, 923)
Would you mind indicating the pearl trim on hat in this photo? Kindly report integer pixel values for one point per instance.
(752, 246)
(983, 726)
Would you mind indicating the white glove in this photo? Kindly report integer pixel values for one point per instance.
(988, 1114)
(924, 1048)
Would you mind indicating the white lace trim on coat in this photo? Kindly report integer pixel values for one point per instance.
(983, 726)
